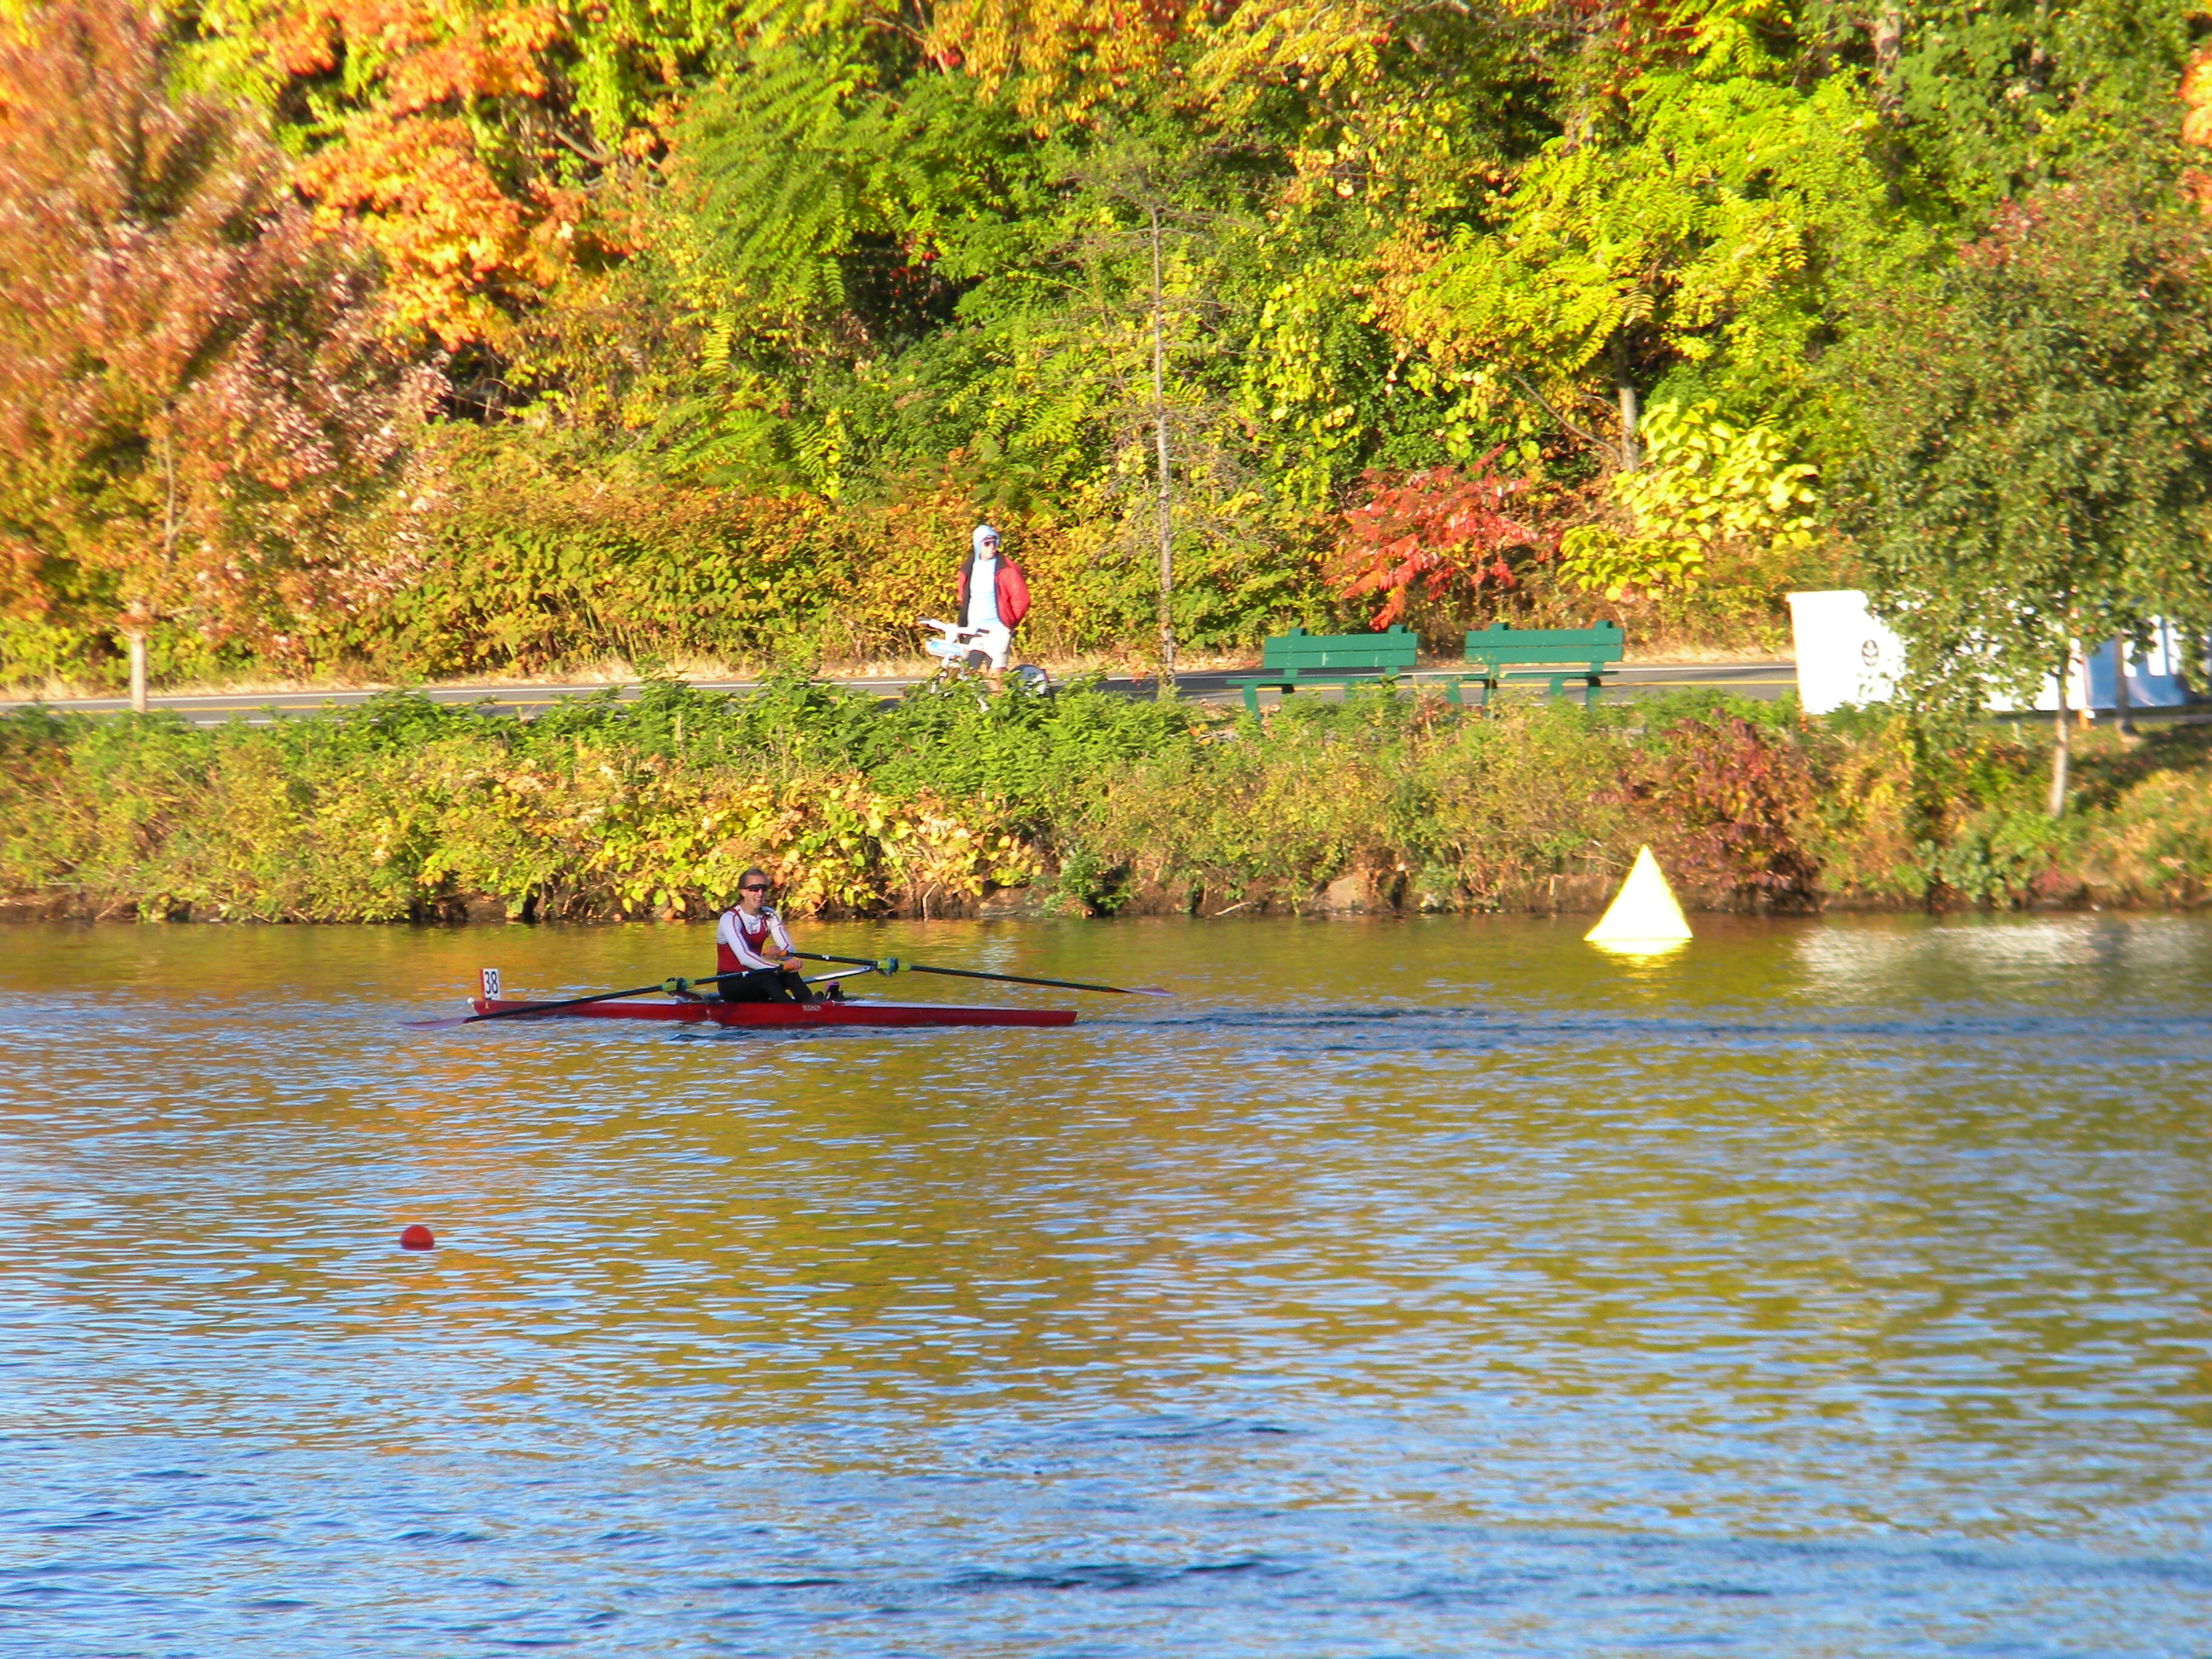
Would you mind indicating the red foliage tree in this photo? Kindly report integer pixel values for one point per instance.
(191, 395)
(1436, 534)
(1734, 799)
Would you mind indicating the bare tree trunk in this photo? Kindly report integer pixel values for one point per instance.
(2122, 701)
(1160, 435)
(144, 611)
(1889, 36)
(2038, 54)
(1631, 452)
(2061, 746)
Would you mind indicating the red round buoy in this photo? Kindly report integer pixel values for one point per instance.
(417, 1237)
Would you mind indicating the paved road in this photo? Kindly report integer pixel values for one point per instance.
(1746, 679)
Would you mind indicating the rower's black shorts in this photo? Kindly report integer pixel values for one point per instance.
(767, 985)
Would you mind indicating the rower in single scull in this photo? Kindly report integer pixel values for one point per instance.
(751, 943)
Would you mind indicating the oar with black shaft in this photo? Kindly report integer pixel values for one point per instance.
(893, 965)
(675, 988)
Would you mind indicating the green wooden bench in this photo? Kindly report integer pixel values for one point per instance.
(1501, 653)
(1297, 658)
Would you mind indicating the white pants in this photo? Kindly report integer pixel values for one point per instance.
(997, 643)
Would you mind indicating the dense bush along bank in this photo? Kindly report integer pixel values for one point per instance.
(1083, 803)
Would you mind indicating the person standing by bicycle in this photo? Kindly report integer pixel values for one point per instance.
(993, 598)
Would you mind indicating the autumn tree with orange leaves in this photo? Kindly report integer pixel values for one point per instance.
(191, 392)
(470, 144)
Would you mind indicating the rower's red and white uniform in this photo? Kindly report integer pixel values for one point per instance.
(738, 939)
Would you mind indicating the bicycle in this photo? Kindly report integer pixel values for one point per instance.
(960, 661)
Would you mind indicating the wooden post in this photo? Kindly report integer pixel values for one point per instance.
(136, 636)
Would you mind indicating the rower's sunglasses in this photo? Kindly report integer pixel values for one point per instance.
(754, 887)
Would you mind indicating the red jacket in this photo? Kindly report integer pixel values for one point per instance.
(1013, 593)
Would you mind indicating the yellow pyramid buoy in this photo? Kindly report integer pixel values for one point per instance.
(1644, 916)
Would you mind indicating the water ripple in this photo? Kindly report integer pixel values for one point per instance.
(1835, 1288)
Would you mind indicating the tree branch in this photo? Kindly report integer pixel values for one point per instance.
(1587, 437)
(597, 156)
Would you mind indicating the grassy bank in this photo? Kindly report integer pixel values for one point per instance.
(406, 809)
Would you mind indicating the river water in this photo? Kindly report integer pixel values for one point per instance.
(1837, 1287)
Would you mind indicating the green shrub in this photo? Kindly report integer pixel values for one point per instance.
(650, 806)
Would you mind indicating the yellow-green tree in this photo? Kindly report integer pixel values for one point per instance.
(2034, 473)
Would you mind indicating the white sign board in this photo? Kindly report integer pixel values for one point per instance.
(1845, 654)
